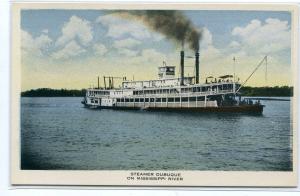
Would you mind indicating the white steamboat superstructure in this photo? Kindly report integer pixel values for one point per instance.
(169, 93)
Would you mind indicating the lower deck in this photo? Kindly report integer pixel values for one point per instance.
(165, 102)
(216, 103)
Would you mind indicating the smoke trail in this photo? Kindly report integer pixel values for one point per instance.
(173, 24)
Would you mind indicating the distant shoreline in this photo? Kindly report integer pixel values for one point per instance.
(247, 91)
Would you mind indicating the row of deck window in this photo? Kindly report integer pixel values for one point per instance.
(172, 90)
(170, 99)
(184, 90)
(98, 92)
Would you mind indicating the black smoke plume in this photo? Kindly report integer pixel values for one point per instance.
(173, 24)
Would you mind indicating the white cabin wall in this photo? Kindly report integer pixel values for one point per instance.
(155, 83)
(120, 93)
(108, 102)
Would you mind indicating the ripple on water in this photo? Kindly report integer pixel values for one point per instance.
(58, 133)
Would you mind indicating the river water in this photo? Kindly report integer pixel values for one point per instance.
(60, 134)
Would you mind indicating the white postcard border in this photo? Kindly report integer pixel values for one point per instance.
(120, 178)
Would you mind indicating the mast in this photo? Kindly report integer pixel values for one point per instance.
(233, 75)
(104, 82)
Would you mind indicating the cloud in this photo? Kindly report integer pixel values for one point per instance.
(248, 30)
(211, 53)
(207, 49)
(126, 43)
(117, 27)
(120, 27)
(76, 28)
(99, 49)
(127, 52)
(152, 55)
(46, 31)
(206, 40)
(34, 46)
(234, 45)
(70, 50)
(271, 36)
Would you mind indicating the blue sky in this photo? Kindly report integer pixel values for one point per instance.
(60, 44)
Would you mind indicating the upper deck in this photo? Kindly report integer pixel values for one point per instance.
(168, 85)
(211, 88)
(170, 82)
(166, 78)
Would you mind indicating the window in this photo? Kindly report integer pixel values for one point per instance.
(184, 99)
(192, 98)
(170, 71)
(171, 99)
(172, 91)
(200, 98)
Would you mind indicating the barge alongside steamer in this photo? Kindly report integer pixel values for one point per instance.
(169, 93)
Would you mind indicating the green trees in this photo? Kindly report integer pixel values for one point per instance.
(283, 91)
(47, 92)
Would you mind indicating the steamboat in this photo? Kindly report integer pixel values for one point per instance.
(170, 93)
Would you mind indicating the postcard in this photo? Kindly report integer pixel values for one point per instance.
(154, 94)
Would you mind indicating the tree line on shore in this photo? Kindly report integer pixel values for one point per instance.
(48, 92)
(283, 91)
(276, 91)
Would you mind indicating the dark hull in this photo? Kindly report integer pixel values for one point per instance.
(258, 109)
(225, 109)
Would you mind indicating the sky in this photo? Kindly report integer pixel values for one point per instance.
(71, 48)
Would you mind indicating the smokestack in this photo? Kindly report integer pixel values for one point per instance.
(109, 82)
(182, 68)
(98, 83)
(104, 82)
(197, 67)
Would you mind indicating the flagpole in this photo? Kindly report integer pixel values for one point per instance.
(233, 69)
(234, 75)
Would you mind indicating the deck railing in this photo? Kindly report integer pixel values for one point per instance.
(191, 104)
(167, 95)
